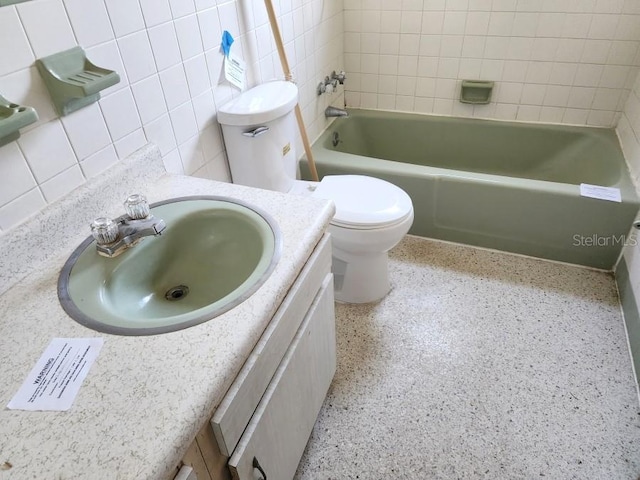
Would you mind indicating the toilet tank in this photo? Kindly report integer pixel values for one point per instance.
(259, 129)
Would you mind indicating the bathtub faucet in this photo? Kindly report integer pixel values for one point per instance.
(335, 112)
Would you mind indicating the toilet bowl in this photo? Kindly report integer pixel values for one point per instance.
(372, 215)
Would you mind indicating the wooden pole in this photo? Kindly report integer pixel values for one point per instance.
(287, 74)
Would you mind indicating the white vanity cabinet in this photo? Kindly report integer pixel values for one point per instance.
(263, 423)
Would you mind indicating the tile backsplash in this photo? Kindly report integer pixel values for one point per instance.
(571, 61)
(167, 53)
(568, 62)
(629, 134)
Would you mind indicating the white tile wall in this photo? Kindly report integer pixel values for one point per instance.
(167, 55)
(155, 12)
(553, 61)
(12, 34)
(48, 27)
(47, 150)
(126, 16)
(87, 131)
(629, 133)
(570, 62)
(89, 33)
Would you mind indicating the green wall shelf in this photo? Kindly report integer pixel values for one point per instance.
(12, 118)
(72, 80)
(477, 92)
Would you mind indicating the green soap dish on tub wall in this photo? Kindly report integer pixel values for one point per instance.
(12, 118)
(72, 80)
(477, 92)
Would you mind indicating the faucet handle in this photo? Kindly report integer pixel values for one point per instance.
(339, 77)
(104, 230)
(137, 207)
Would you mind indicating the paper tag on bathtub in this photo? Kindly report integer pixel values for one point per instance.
(602, 193)
(56, 378)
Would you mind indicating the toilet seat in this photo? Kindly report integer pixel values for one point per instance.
(364, 203)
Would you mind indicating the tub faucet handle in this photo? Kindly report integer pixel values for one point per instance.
(330, 84)
(322, 86)
(339, 77)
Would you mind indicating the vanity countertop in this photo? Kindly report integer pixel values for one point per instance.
(145, 398)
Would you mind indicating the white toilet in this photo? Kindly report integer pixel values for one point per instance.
(372, 215)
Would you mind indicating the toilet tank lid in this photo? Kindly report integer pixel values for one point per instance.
(260, 104)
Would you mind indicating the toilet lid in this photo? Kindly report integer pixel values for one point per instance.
(364, 202)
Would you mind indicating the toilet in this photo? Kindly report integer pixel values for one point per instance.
(372, 215)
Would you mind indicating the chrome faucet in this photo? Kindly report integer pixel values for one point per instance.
(335, 112)
(340, 77)
(330, 84)
(114, 236)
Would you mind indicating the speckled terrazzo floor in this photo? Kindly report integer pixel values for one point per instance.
(480, 365)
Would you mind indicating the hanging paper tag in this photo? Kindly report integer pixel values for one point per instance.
(234, 71)
(233, 67)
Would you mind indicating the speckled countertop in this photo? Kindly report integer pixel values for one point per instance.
(145, 398)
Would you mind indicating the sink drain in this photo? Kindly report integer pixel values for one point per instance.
(177, 293)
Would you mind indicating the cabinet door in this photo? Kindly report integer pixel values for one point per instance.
(240, 402)
(279, 430)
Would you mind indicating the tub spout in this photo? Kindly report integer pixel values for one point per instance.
(335, 112)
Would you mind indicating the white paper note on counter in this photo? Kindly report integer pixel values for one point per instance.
(601, 193)
(57, 377)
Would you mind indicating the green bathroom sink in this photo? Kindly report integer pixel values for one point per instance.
(214, 253)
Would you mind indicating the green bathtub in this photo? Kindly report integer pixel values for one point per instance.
(502, 185)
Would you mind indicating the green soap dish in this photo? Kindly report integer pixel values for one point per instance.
(12, 118)
(4, 3)
(477, 92)
(72, 80)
